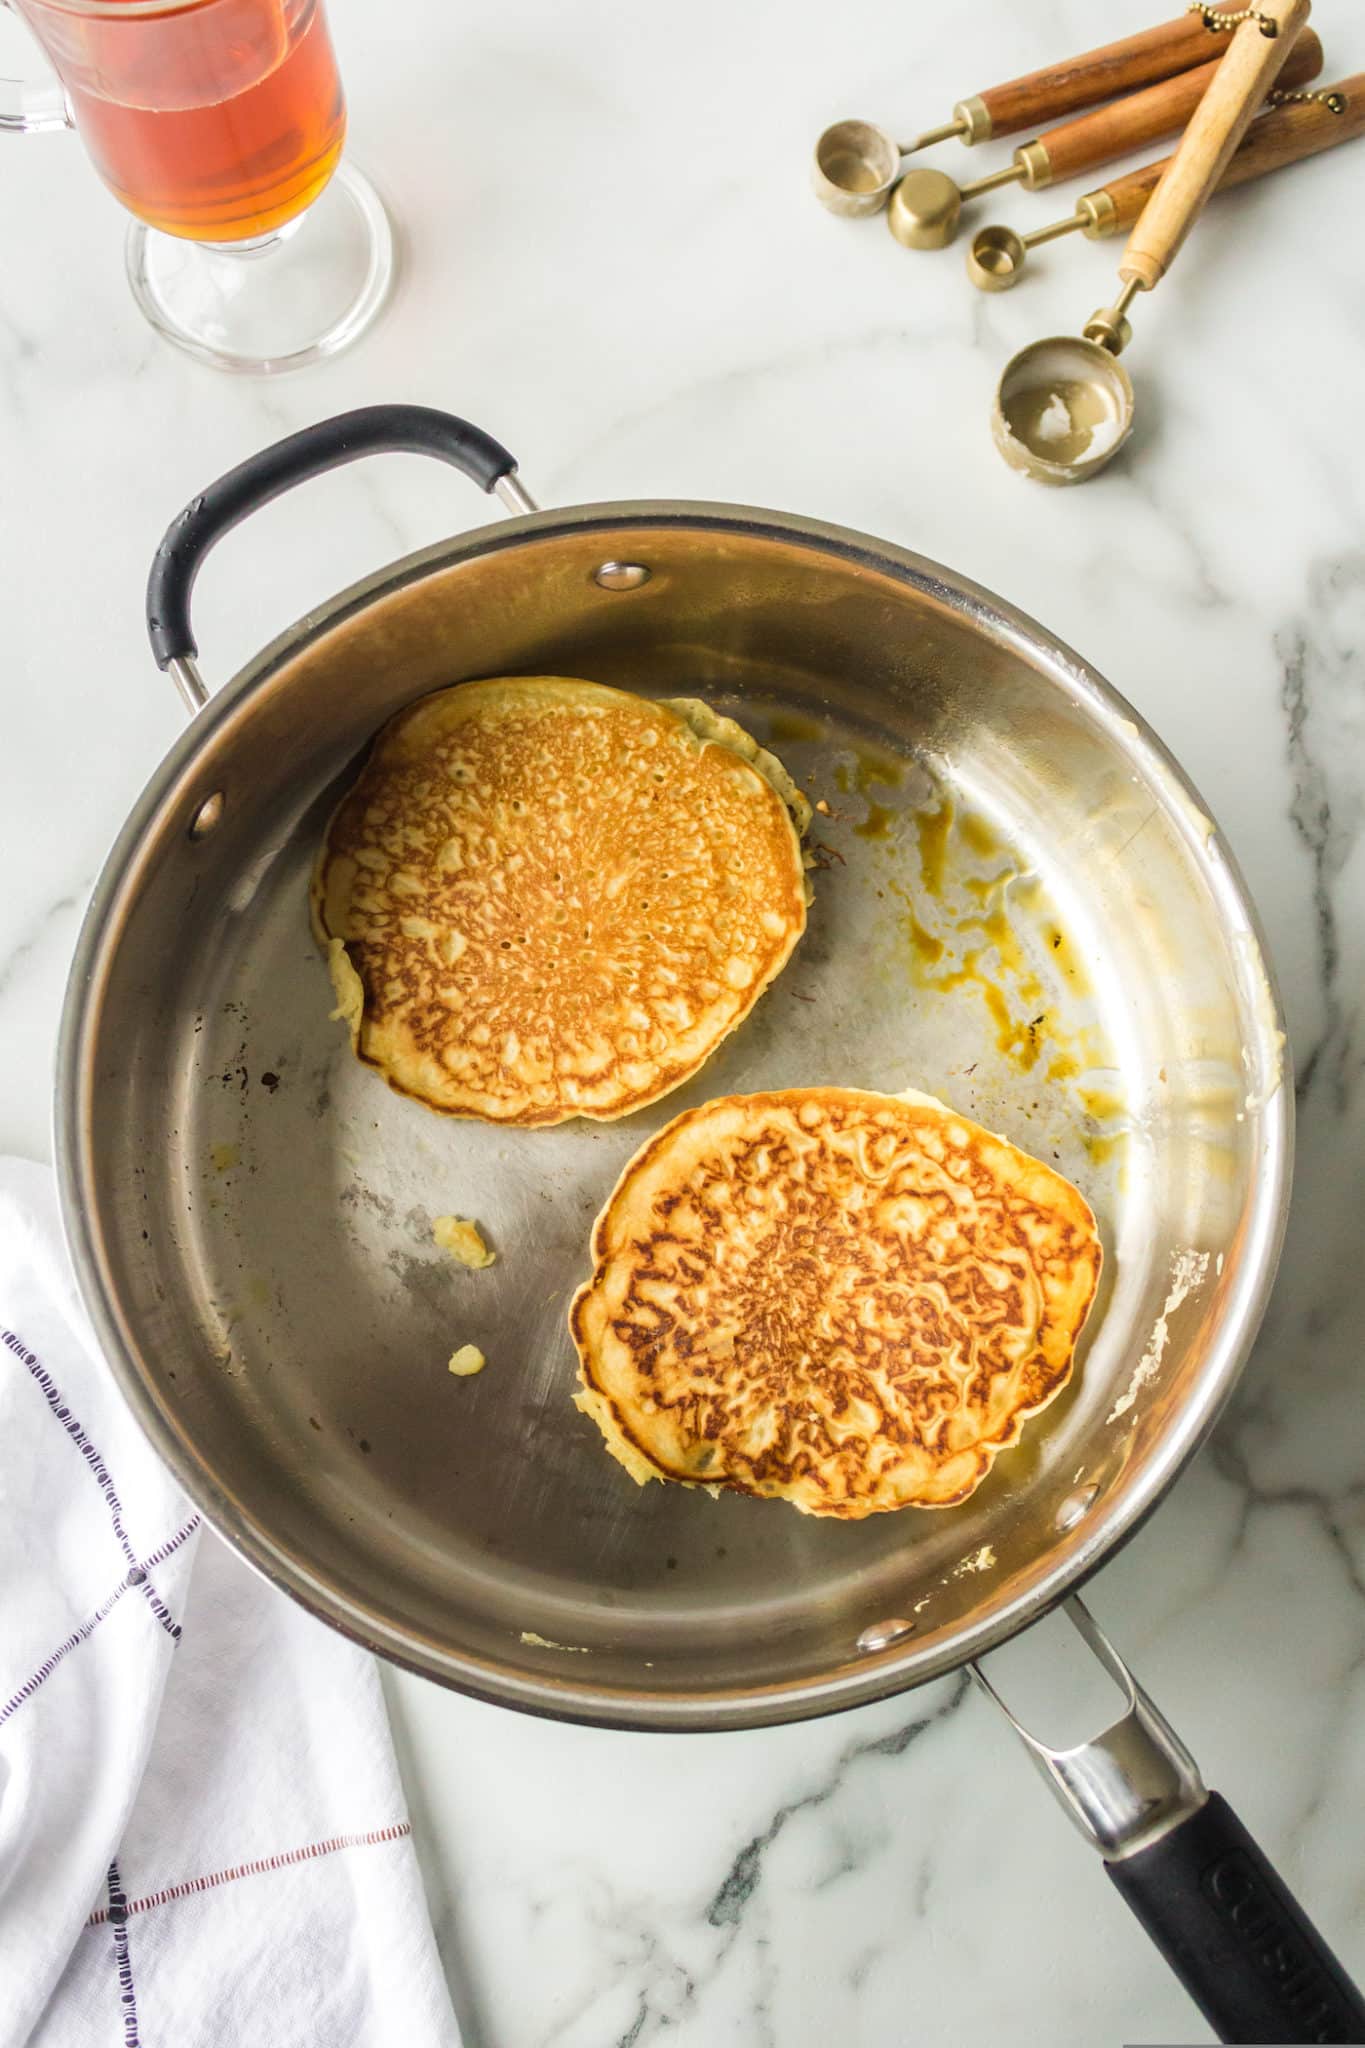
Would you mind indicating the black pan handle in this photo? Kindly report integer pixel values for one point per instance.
(1231, 1930)
(372, 430)
(1236, 1936)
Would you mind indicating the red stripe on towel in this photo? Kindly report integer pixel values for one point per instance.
(393, 1833)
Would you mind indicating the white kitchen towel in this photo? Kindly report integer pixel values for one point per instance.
(203, 1839)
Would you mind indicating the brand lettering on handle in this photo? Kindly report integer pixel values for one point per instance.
(1251, 1909)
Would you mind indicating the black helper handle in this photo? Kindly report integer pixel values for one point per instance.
(372, 430)
(1236, 1936)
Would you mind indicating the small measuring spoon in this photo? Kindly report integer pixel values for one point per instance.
(926, 205)
(1065, 406)
(856, 163)
(1287, 135)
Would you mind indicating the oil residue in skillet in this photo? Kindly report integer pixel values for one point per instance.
(867, 771)
(979, 923)
(793, 729)
(977, 920)
(965, 926)
(932, 829)
(878, 823)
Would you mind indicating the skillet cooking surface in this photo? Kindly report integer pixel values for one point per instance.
(987, 926)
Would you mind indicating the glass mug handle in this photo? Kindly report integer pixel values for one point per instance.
(28, 109)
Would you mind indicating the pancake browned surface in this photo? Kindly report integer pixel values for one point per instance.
(847, 1300)
(545, 899)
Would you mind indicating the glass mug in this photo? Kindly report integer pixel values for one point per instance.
(219, 125)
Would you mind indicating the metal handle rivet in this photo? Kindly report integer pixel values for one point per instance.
(620, 575)
(880, 1635)
(208, 816)
(1076, 1507)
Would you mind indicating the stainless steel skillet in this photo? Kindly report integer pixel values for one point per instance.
(1022, 908)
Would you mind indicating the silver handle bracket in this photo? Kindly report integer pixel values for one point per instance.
(1131, 1783)
(514, 493)
(184, 673)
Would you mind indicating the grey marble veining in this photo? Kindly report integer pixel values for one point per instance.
(610, 258)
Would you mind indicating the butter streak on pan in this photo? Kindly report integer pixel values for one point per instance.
(463, 1240)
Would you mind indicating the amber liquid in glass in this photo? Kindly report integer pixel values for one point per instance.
(219, 121)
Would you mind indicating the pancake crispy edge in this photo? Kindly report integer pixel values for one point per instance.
(848, 1367)
(541, 1051)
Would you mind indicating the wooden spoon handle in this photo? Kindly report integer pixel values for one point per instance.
(1286, 135)
(1253, 62)
(1100, 74)
(1143, 117)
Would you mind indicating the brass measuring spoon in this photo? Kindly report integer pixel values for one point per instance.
(856, 163)
(1065, 405)
(1286, 135)
(927, 205)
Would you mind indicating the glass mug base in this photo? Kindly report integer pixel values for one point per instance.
(279, 303)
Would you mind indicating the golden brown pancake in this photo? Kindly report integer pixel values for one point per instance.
(845, 1300)
(545, 899)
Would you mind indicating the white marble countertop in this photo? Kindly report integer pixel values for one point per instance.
(611, 259)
